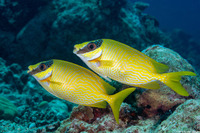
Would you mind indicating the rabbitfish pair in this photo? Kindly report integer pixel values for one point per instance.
(109, 59)
(78, 85)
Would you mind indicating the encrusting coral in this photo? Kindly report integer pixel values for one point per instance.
(91, 119)
(185, 118)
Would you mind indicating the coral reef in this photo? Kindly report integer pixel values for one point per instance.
(147, 111)
(53, 30)
(185, 118)
(31, 31)
(25, 103)
(95, 120)
(176, 63)
(154, 102)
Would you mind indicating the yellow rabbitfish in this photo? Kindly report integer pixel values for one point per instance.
(78, 85)
(115, 60)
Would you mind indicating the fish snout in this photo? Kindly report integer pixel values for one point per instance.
(29, 71)
(75, 50)
(32, 70)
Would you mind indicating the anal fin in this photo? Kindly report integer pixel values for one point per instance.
(55, 82)
(149, 85)
(101, 104)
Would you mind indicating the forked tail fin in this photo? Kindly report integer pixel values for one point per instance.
(116, 100)
(172, 80)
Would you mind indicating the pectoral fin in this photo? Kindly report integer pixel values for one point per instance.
(55, 82)
(105, 63)
(109, 64)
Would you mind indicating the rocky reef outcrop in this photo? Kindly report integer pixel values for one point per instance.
(184, 118)
(24, 103)
(57, 25)
(144, 110)
(148, 110)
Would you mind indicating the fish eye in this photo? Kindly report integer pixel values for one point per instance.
(42, 67)
(91, 46)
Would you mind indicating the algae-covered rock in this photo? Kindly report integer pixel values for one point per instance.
(33, 103)
(186, 118)
(176, 63)
(91, 119)
(7, 110)
(66, 23)
(157, 102)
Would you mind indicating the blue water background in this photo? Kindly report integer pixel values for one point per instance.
(173, 14)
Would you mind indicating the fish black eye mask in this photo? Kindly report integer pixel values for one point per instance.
(42, 67)
(90, 46)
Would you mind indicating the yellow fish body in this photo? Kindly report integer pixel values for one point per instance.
(115, 60)
(77, 85)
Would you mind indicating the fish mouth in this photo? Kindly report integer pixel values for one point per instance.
(79, 51)
(33, 71)
(75, 50)
(44, 78)
(30, 70)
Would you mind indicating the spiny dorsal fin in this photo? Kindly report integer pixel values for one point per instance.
(159, 67)
(109, 89)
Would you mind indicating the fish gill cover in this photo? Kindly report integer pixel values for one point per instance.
(32, 31)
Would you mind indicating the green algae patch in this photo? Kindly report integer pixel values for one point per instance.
(43, 103)
(7, 109)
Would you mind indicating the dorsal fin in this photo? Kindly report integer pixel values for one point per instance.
(109, 89)
(159, 67)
